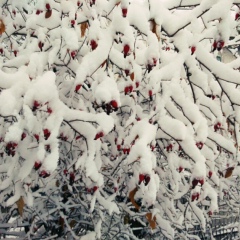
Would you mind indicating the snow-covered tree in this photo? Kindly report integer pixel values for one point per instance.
(118, 119)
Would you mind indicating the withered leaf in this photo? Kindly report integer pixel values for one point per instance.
(131, 196)
(20, 204)
(72, 223)
(154, 28)
(151, 220)
(48, 14)
(84, 27)
(2, 27)
(229, 172)
(132, 76)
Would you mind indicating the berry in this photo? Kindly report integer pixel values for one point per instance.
(36, 105)
(72, 23)
(194, 183)
(93, 44)
(78, 3)
(214, 45)
(137, 84)
(114, 104)
(141, 178)
(237, 16)
(36, 137)
(154, 61)
(23, 136)
(38, 12)
(48, 6)
(49, 110)
(1, 51)
(15, 53)
(124, 12)
(95, 188)
(210, 213)
(37, 165)
(77, 88)
(169, 147)
(210, 173)
(126, 50)
(217, 126)
(73, 54)
(71, 178)
(119, 147)
(193, 49)
(44, 174)
(201, 181)
(180, 169)
(126, 72)
(146, 179)
(199, 145)
(126, 90)
(46, 133)
(40, 45)
(99, 135)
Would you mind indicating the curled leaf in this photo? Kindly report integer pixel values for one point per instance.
(131, 196)
(132, 76)
(151, 220)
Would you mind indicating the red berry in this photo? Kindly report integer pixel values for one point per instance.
(95, 188)
(180, 169)
(99, 135)
(210, 213)
(77, 88)
(130, 88)
(154, 61)
(115, 189)
(15, 53)
(126, 90)
(38, 12)
(93, 44)
(194, 183)
(49, 110)
(44, 174)
(71, 178)
(37, 165)
(236, 16)
(146, 179)
(169, 147)
(78, 3)
(193, 49)
(210, 173)
(137, 84)
(23, 136)
(72, 23)
(48, 6)
(124, 12)
(118, 147)
(36, 136)
(14, 12)
(40, 45)
(73, 54)
(1, 51)
(114, 104)
(36, 105)
(46, 133)
(126, 72)
(150, 93)
(141, 178)
(126, 50)
(199, 145)
(201, 181)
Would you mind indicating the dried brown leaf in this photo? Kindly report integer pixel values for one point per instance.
(151, 220)
(132, 76)
(154, 28)
(2, 27)
(83, 27)
(229, 172)
(48, 13)
(20, 204)
(131, 196)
